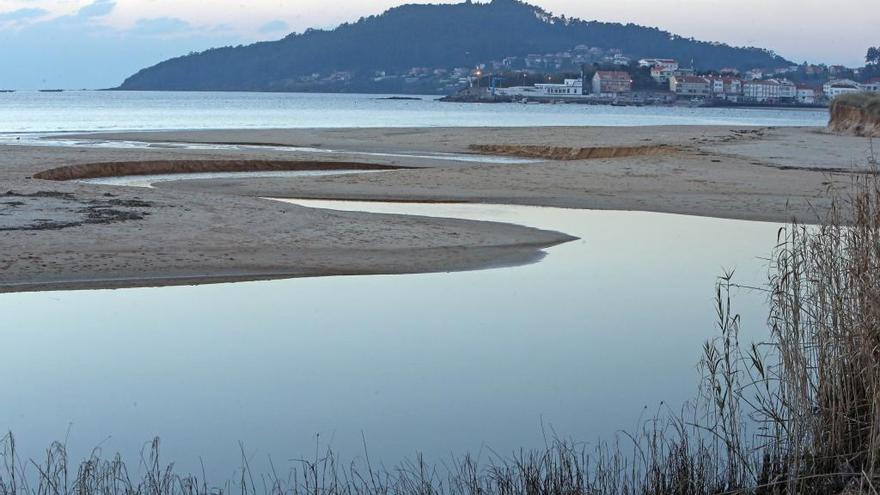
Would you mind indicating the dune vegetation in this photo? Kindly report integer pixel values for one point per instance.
(870, 102)
(856, 113)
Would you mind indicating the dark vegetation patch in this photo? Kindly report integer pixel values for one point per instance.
(52, 210)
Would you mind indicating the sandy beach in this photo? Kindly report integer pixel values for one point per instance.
(62, 234)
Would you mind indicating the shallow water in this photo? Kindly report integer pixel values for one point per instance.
(148, 180)
(581, 343)
(120, 110)
(59, 140)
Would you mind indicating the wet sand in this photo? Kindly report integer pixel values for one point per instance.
(67, 235)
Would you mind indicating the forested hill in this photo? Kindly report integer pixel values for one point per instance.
(432, 36)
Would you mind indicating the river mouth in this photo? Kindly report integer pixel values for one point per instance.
(580, 344)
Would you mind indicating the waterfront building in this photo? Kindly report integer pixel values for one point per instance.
(569, 88)
(609, 84)
(692, 86)
(761, 91)
(807, 95)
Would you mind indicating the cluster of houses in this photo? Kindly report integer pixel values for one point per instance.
(686, 84)
(564, 60)
(734, 89)
(837, 87)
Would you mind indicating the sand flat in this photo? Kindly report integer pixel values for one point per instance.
(204, 231)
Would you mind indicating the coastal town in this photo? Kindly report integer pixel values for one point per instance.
(666, 81)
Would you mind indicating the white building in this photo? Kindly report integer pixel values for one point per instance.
(872, 85)
(664, 63)
(569, 88)
(761, 91)
(807, 95)
(754, 74)
(620, 60)
(837, 87)
(787, 89)
(716, 86)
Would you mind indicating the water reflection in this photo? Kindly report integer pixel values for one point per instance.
(147, 181)
(438, 363)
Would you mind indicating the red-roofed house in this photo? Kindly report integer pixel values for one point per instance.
(725, 88)
(610, 83)
(661, 74)
(695, 86)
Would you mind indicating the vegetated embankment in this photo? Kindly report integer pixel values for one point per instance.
(856, 113)
(571, 153)
(113, 169)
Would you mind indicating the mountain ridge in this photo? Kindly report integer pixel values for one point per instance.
(427, 35)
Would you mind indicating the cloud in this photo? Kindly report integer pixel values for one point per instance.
(80, 51)
(24, 14)
(159, 26)
(98, 8)
(274, 27)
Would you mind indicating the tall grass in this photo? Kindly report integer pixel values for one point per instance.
(796, 414)
(825, 321)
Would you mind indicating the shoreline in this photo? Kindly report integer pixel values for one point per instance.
(509, 256)
(220, 230)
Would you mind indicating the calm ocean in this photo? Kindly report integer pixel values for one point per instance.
(105, 111)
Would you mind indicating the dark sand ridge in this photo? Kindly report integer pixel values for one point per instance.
(218, 230)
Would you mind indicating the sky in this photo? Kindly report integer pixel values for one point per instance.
(72, 44)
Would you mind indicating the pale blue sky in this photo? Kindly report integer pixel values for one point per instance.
(97, 43)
